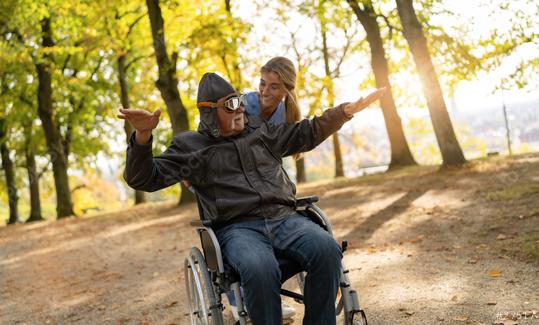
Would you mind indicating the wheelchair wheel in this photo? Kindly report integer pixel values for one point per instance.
(204, 307)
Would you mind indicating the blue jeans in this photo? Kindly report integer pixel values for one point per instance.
(252, 247)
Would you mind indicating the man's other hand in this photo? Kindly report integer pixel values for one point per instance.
(142, 121)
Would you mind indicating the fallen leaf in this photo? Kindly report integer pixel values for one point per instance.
(172, 304)
(501, 237)
(449, 258)
(461, 318)
(494, 273)
(417, 239)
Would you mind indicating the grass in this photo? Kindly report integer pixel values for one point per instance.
(513, 192)
(530, 244)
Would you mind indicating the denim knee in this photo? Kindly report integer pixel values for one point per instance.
(327, 255)
(260, 271)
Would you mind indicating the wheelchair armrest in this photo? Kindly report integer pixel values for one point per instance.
(200, 223)
(306, 200)
(212, 249)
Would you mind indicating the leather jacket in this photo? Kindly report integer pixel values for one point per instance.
(235, 178)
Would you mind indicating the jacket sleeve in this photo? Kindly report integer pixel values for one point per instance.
(145, 172)
(287, 139)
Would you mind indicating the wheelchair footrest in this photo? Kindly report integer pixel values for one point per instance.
(296, 296)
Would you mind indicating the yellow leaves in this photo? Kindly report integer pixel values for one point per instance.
(494, 273)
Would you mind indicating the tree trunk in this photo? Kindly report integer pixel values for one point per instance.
(235, 77)
(124, 98)
(33, 179)
(300, 171)
(167, 83)
(447, 141)
(64, 206)
(9, 171)
(339, 169)
(400, 151)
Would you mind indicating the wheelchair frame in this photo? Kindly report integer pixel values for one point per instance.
(207, 277)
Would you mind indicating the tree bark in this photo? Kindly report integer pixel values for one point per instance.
(235, 78)
(413, 32)
(64, 206)
(33, 179)
(400, 151)
(339, 170)
(300, 171)
(167, 83)
(9, 172)
(124, 98)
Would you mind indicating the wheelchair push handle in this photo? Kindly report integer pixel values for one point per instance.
(201, 223)
(306, 200)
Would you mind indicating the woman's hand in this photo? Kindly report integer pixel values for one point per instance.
(142, 121)
(351, 108)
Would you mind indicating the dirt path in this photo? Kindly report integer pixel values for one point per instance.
(427, 247)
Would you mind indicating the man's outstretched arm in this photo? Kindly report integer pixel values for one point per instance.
(143, 171)
(288, 139)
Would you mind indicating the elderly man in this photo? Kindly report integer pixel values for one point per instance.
(235, 166)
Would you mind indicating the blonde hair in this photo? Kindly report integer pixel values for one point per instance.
(286, 71)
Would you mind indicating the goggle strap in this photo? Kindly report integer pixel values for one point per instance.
(207, 104)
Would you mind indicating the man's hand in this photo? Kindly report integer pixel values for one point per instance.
(357, 106)
(142, 121)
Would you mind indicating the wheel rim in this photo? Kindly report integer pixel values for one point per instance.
(195, 292)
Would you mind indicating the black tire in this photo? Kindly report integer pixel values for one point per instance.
(203, 304)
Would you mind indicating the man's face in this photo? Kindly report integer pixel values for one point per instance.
(230, 123)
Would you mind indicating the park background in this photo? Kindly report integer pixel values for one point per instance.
(439, 202)
(485, 56)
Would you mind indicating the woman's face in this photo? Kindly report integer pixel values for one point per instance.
(271, 89)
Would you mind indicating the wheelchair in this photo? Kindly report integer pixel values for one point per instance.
(207, 277)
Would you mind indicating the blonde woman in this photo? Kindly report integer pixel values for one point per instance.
(275, 102)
